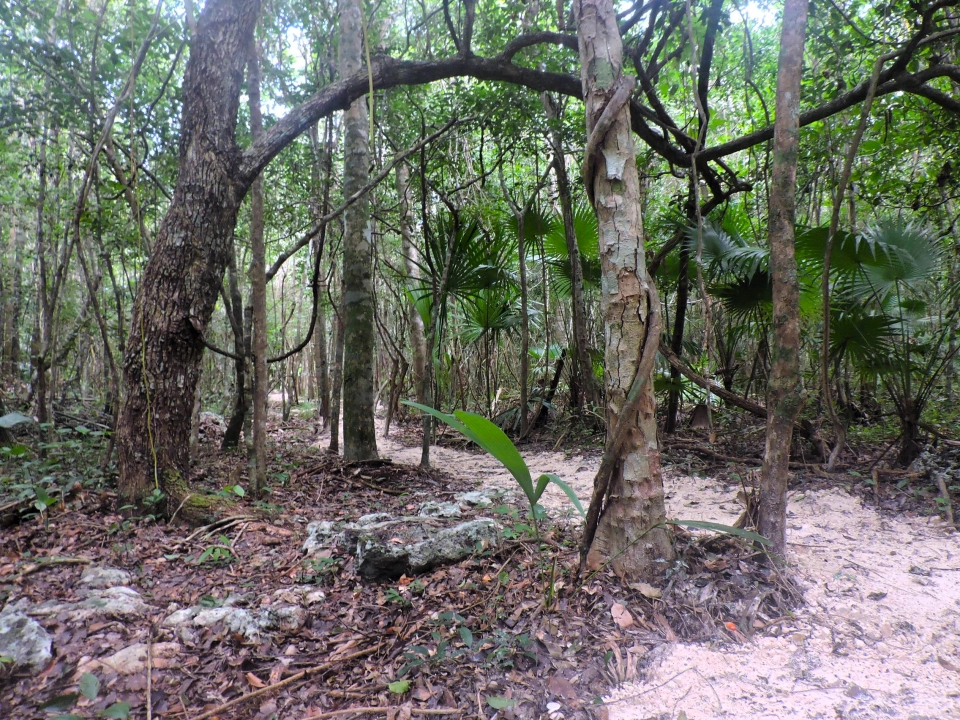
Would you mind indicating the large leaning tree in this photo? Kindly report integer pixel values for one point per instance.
(179, 286)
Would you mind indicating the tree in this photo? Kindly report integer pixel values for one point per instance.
(783, 389)
(179, 287)
(629, 510)
(359, 435)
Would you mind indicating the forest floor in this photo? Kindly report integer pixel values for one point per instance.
(864, 622)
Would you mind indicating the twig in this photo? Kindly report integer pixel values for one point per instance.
(220, 524)
(945, 494)
(288, 681)
(150, 675)
(47, 562)
(382, 710)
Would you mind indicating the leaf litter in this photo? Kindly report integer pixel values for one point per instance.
(508, 633)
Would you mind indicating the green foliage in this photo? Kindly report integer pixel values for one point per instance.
(493, 440)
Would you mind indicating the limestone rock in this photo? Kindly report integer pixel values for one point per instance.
(133, 659)
(24, 640)
(101, 576)
(390, 549)
(119, 602)
(432, 508)
(320, 535)
(249, 624)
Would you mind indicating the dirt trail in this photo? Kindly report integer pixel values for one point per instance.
(879, 636)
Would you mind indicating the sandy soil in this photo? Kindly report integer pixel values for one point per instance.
(879, 636)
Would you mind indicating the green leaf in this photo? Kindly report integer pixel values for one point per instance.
(566, 488)
(89, 686)
(499, 703)
(399, 687)
(466, 636)
(118, 711)
(870, 146)
(489, 437)
(69, 716)
(14, 418)
(60, 702)
(720, 528)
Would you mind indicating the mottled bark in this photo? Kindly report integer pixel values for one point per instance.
(359, 434)
(418, 338)
(257, 459)
(179, 287)
(783, 388)
(630, 534)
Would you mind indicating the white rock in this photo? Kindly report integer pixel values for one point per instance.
(98, 576)
(25, 640)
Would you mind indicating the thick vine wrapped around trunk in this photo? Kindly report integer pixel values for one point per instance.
(630, 533)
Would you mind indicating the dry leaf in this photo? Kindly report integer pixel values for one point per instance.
(403, 713)
(621, 616)
(561, 687)
(647, 590)
(947, 664)
(254, 681)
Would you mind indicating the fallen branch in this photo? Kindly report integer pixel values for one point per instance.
(48, 562)
(383, 710)
(289, 681)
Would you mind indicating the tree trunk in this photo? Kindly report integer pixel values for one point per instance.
(13, 304)
(231, 438)
(323, 162)
(336, 386)
(630, 533)
(359, 434)
(418, 338)
(783, 389)
(676, 341)
(257, 461)
(179, 287)
(582, 374)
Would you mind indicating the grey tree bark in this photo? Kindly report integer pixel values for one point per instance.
(783, 388)
(418, 338)
(359, 435)
(257, 462)
(630, 532)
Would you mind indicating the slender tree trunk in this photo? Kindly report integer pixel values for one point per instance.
(783, 388)
(14, 304)
(418, 338)
(630, 533)
(231, 438)
(336, 388)
(257, 473)
(179, 287)
(323, 164)
(676, 341)
(359, 434)
(582, 363)
(524, 325)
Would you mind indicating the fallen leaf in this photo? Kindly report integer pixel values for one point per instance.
(621, 616)
(947, 664)
(561, 687)
(647, 590)
(254, 681)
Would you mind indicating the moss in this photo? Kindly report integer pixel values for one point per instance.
(193, 507)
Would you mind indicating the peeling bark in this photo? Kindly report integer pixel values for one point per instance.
(630, 535)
